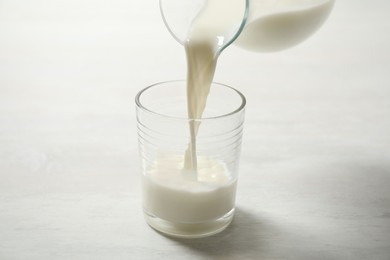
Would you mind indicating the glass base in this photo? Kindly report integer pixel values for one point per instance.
(189, 230)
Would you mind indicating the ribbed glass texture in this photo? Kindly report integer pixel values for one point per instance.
(164, 136)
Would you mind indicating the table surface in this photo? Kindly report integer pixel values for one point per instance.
(315, 165)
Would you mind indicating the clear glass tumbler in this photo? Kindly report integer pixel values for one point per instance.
(184, 202)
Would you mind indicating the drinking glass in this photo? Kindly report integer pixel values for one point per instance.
(183, 202)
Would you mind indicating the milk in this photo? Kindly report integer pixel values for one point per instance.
(188, 188)
(209, 32)
(274, 25)
(193, 189)
(171, 196)
(201, 62)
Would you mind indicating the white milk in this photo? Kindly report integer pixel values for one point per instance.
(211, 29)
(171, 196)
(189, 189)
(201, 62)
(275, 25)
(185, 188)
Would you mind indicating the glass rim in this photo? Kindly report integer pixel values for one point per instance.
(235, 111)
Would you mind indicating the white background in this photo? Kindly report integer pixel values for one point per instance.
(315, 167)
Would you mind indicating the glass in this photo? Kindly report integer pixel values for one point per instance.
(178, 16)
(180, 202)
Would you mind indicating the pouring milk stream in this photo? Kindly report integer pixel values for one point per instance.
(271, 25)
(198, 188)
(206, 37)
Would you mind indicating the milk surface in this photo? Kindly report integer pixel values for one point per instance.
(171, 196)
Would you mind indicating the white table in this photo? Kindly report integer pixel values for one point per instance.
(315, 168)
